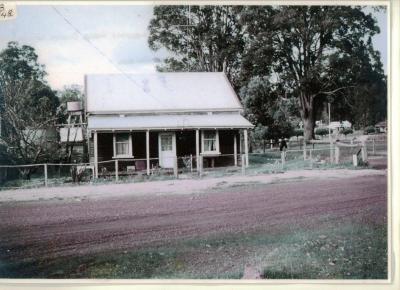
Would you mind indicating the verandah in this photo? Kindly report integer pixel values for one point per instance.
(148, 149)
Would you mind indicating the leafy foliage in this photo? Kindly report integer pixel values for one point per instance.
(298, 132)
(322, 131)
(265, 107)
(347, 131)
(315, 53)
(202, 38)
(369, 130)
(309, 55)
(27, 105)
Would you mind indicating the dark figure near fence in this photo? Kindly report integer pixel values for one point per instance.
(282, 144)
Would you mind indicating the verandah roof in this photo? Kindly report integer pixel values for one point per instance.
(165, 122)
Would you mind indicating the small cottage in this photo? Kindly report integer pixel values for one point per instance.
(153, 120)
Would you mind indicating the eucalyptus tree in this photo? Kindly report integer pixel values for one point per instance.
(27, 106)
(199, 38)
(310, 54)
(302, 47)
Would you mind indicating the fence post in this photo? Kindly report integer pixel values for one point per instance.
(364, 154)
(116, 170)
(243, 164)
(355, 161)
(45, 174)
(272, 144)
(176, 167)
(337, 153)
(282, 159)
(311, 160)
(191, 163)
(304, 152)
(373, 146)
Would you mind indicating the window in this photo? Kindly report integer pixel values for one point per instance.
(166, 142)
(122, 144)
(210, 142)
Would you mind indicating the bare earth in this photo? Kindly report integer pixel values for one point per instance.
(67, 223)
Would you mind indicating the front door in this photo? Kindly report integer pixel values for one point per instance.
(167, 149)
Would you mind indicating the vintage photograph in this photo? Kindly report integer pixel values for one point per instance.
(193, 141)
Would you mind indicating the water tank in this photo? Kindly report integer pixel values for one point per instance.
(74, 106)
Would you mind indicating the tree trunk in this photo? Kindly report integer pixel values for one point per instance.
(309, 124)
(307, 113)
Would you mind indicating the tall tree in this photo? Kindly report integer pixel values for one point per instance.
(267, 107)
(199, 38)
(363, 103)
(300, 47)
(27, 105)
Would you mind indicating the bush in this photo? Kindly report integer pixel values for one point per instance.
(322, 131)
(298, 132)
(369, 130)
(347, 131)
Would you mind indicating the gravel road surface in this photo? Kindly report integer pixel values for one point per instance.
(54, 228)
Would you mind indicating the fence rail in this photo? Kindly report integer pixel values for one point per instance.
(132, 170)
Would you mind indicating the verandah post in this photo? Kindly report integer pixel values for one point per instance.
(197, 150)
(176, 166)
(200, 165)
(116, 170)
(235, 149)
(243, 164)
(96, 164)
(148, 152)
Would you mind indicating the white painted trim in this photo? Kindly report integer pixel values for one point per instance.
(168, 129)
(173, 144)
(130, 146)
(114, 145)
(148, 152)
(96, 156)
(211, 153)
(197, 150)
(153, 112)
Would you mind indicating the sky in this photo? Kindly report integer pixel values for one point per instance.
(74, 40)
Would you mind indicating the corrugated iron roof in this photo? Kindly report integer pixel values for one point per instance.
(181, 121)
(191, 91)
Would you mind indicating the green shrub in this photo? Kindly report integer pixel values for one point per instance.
(369, 130)
(298, 132)
(322, 131)
(347, 131)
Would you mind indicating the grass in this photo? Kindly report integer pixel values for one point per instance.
(260, 163)
(331, 249)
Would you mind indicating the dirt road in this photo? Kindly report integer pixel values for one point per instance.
(61, 228)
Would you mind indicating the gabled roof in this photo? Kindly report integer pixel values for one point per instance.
(184, 91)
